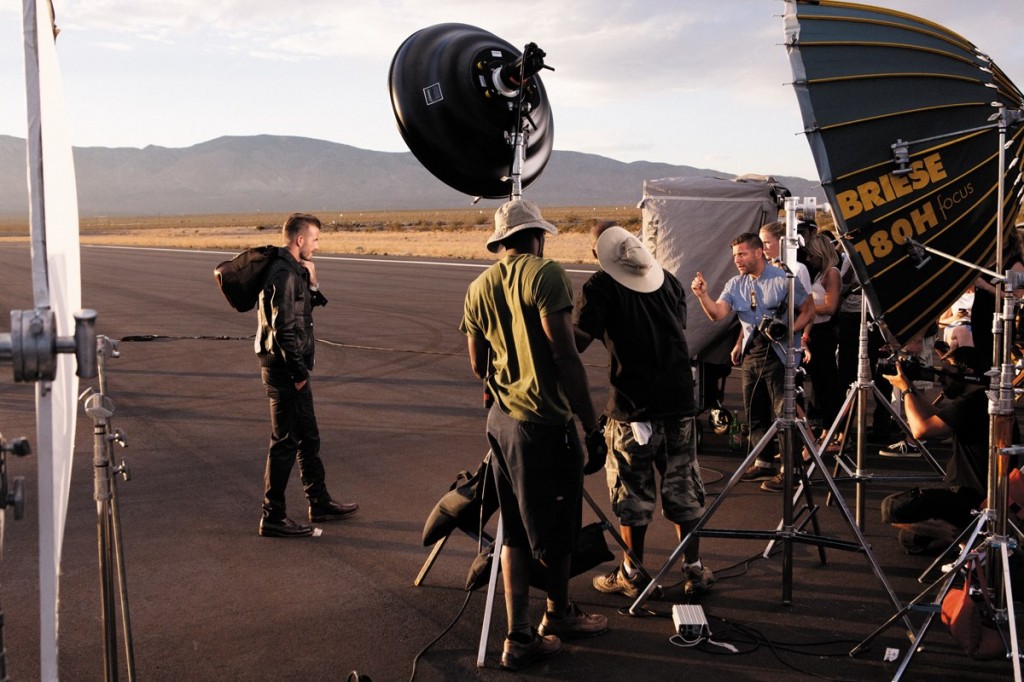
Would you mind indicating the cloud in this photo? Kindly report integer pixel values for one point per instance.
(677, 82)
(605, 48)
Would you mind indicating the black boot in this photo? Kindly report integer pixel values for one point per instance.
(330, 510)
(283, 528)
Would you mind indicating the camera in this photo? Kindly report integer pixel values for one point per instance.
(773, 328)
(914, 369)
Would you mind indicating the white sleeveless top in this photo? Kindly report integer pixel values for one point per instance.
(818, 292)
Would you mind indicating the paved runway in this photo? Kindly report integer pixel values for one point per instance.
(400, 415)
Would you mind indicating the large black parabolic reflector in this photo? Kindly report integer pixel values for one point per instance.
(458, 107)
(899, 113)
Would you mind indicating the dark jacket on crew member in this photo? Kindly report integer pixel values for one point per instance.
(284, 337)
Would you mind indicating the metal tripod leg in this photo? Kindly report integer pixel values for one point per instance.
(100, 408)
(848, 517)
(618, 537)
(435, 552)
(944, 583)
(708, 513)
(803, 489)
(786, 534)
(857, 395)
(499, 538)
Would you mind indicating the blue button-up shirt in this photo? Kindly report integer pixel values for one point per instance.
(752, 299)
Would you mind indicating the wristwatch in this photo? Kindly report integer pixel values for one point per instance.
(903, 394)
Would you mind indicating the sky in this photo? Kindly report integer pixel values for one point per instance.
(674, 81)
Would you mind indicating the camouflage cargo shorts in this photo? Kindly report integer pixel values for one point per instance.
(631, 467)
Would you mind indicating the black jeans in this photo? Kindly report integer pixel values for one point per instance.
(917, 504)
(826, 396)
(762, 377)
(294, 437)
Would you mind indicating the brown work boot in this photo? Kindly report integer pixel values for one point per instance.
(698, 579)
(618, 582)
(573, 624)
(518, 655)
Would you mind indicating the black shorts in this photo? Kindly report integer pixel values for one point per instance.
(538, 469)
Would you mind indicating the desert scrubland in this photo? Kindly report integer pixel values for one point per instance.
(455, 233)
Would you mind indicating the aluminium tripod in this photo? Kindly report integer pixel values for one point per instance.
(993, 519)
(991, 524)
(100, 407)
(857, 395)
(789, 428)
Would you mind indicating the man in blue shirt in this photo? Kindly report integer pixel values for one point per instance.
(758, 291)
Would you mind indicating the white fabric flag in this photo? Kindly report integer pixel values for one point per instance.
(55, 247)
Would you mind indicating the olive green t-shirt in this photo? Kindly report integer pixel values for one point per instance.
(504, 307)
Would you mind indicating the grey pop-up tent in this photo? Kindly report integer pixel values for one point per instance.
(688, 224)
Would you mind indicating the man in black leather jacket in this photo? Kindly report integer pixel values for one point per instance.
(285, 346)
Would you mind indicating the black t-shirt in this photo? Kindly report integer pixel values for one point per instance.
(967, 416)
(650, 361)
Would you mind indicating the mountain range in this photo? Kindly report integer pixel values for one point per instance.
(268, 173)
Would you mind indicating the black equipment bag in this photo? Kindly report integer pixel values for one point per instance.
(241, 279)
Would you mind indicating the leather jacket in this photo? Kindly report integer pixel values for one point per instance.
(284, 336)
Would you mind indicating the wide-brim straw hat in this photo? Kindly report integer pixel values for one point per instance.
(515, 216)
(628, 261)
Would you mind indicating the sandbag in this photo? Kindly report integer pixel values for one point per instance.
(460, 508)
(970, 619)
(590, 550)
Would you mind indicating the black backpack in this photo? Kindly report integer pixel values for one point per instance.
(242, 278)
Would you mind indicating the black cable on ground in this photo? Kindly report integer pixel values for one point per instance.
(444, 632)
(745, 634)
(327, 342)
(495, 556)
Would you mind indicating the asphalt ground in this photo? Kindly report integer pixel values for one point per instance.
(400, 415)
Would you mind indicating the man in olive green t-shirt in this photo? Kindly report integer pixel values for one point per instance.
(518, 324)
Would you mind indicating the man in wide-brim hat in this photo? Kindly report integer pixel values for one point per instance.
(518, 323)
(639, 312)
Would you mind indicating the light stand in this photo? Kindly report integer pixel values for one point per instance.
(991, 523)
(993, 519)
(511, 80)
(20, 448)
(858, 394)
(785, 427)
(100, 408)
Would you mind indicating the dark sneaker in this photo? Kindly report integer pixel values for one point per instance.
(698, 580)
(516, 655)
(902, 448)
(331, 511)
(773, 484)
(574, 624)
(617, 582)
(755, 472)
(284, 528)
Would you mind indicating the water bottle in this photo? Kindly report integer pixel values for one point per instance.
(735, 436)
